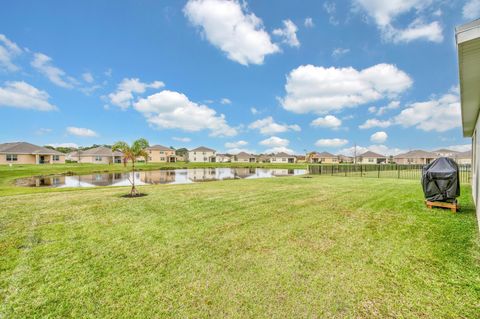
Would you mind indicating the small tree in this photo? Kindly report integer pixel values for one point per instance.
(131, 153)
(309, 156)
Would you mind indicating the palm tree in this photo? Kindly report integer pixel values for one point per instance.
(131, 153)
(309, 156)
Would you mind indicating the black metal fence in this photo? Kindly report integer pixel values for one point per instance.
(398, 171)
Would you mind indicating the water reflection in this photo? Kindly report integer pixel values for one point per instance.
(177, 176)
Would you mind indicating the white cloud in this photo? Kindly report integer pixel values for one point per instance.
(320, 90)
(390, 106)
(236, 144)
(455, 89)
(331, 142)
(438, 115)
(415, 31)
(80, 131)
(279, 149)
(379, 137)
(329, 121)
(237, 147)
(379, 149)
(337, 52)
(182, 139)
(385, 150)
(276, 145)
(170, 110)
(438, 13)
(275, 141)
(471, 9)
(386, 12)
(71, 145)
(288, 33)
(24, 96)
(375, 123)
(8, 51)
(237, 150)
(268, 126)
(43, 64)
(384, 109)
(225, 101)
(230, 27)
(352, 151)
(253, 110)
(88, 77)
(123, 96)
(331, 10)
(308, 23)
(90, 89)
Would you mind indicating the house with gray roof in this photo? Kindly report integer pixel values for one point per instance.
(415, 157)
(283, 158)
(244, 157)
(463, 157)
(202, 154)
(370, 157)
(264, 158)
(345, 159)
(223, 158)
(97, 155)
(443, 152)
(323, 158)
(27, 153)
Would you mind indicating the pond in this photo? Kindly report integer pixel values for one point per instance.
(174, 176)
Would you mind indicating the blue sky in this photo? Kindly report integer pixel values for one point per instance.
(234, 75)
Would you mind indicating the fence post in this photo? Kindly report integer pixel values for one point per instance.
(378, 170)
(361, 170)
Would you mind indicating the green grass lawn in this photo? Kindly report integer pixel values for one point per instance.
(290, 247)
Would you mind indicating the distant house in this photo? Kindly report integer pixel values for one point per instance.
(223, 158)
(415, 157)
(202, 155)
(463, 157)
(282, 158)
(301, 158)
(324, 158)
(97, 155)
(445, 153)
(345, 159)
(264, 158)
(161, 154)
(244, 157)
(26, 153)
(371, 158)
